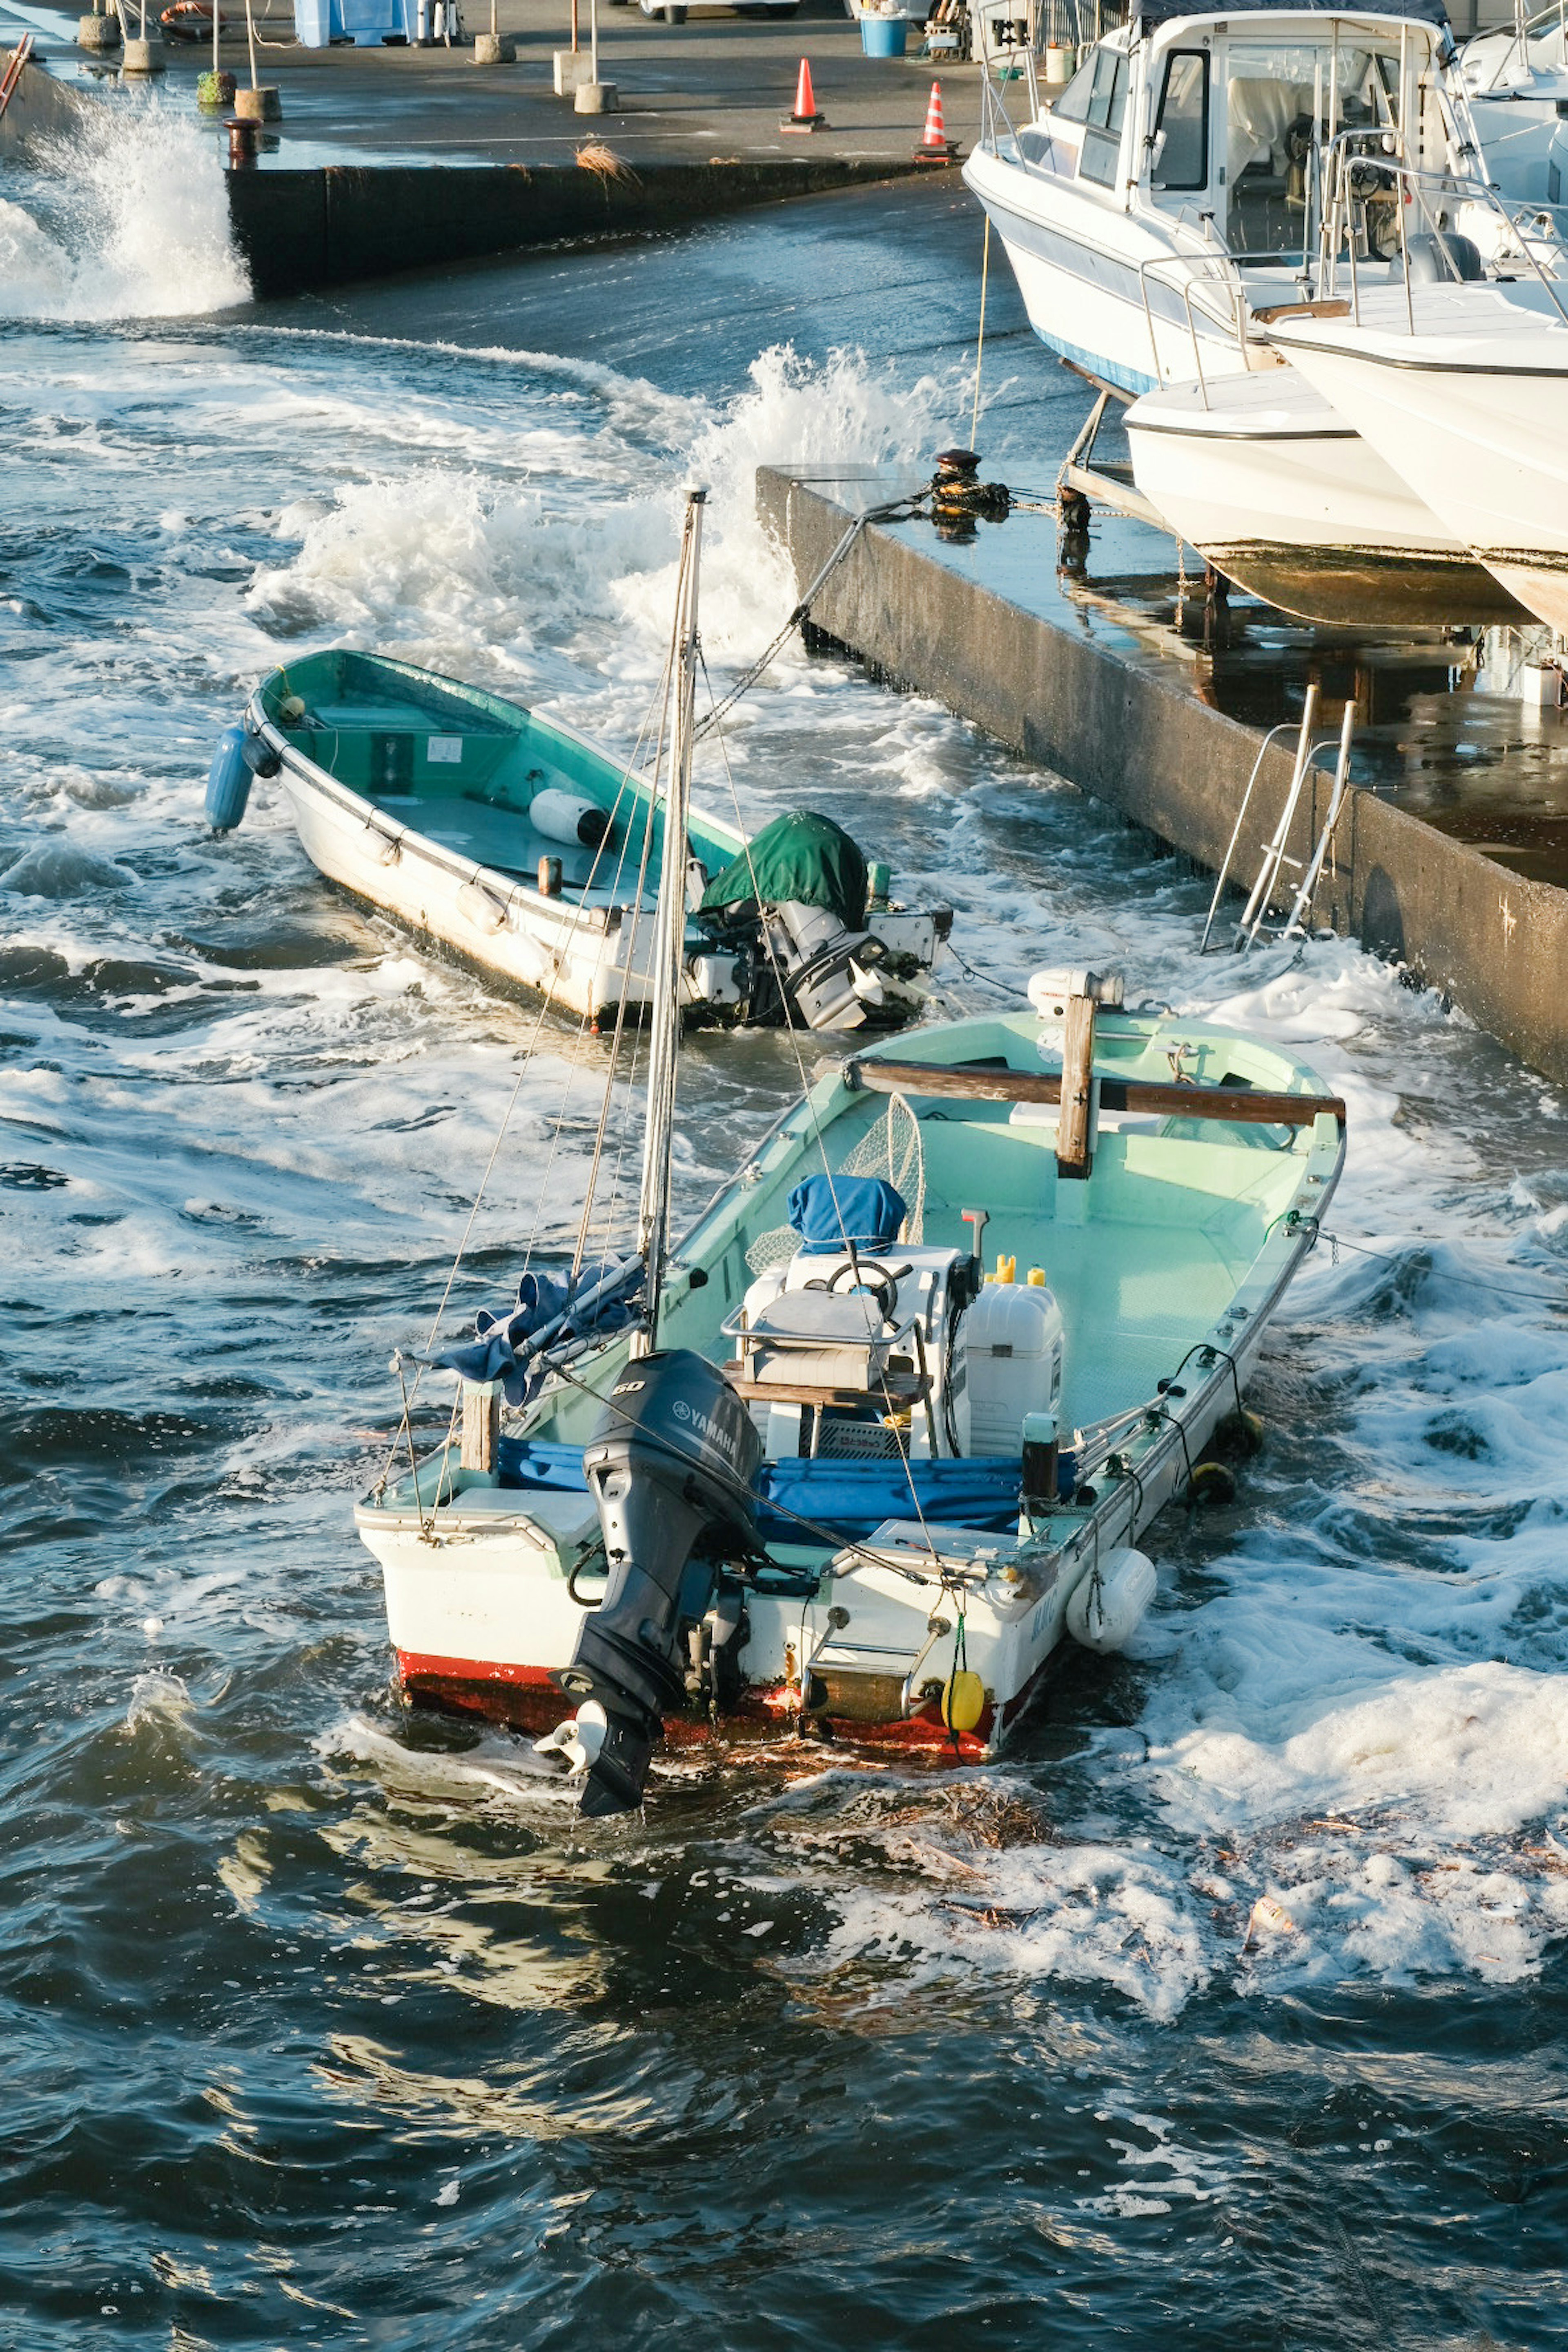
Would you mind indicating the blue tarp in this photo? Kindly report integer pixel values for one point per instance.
(829, 1214)
(495, 1353)
(848, 1498)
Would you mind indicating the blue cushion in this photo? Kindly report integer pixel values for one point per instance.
(828, 1214)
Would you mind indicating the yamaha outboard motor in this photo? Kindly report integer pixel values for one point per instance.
(672, 1478)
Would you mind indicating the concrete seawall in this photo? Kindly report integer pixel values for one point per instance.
(1493, 941)
(301, 230)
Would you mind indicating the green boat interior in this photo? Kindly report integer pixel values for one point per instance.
(463, 768)
(1143, 1256)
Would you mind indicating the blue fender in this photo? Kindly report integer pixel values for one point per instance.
(229, 780)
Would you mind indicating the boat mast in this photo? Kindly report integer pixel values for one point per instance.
(653, 1207)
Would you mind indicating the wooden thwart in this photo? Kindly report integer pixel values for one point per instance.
(1244, 1106)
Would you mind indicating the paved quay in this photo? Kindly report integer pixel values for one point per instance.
(389, 159)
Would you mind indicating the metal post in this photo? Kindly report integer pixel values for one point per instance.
(653, 1207)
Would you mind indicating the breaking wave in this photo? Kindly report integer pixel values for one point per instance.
(129, 220)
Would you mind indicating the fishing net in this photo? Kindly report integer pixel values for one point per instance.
(890, 1147)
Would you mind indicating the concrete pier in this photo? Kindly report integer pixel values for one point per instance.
(390, 159)
(1119, 717)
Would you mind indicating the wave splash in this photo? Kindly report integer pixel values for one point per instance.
(130, 221)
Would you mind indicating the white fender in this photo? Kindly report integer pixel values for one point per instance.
(562, 816)
(1108, 1604)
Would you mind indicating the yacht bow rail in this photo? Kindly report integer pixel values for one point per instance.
(1355, 175)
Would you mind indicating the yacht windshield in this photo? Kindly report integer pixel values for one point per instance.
(1279, 99)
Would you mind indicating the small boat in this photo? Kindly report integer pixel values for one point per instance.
(1463, 389)
(811, 1468)
(521, 848)
(1278, 492)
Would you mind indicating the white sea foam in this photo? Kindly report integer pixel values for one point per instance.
(159, 1700)
(130, 220)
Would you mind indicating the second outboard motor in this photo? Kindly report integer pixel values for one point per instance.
(817, 958)
(671, 1475)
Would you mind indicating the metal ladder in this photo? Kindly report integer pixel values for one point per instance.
(1275, 859)
(19, 58)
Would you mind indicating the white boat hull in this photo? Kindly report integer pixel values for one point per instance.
(482, 1617)
(555, 947)
(1084, 269)
(1278, 492)
(1471, 409)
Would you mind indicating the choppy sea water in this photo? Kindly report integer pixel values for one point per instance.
(1230, 2009)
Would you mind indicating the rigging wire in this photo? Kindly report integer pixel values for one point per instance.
(894, 510)
(627, 784)
(1469, 1281)
(811, 1106)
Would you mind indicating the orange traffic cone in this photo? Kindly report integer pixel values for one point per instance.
(806, 116)
(935, 146)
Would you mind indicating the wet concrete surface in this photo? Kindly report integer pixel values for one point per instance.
(713, 88)
(1441, 727)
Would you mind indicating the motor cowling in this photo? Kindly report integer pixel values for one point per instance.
(670, 1474)
(826, 969)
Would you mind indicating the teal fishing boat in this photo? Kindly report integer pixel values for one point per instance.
(893, 1418)
(523, 849)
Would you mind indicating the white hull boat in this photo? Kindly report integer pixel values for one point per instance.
(808, 1470)
(517, 846)
(1516, 78)
(1464, 390)
(1158, 209)
(1278, 493)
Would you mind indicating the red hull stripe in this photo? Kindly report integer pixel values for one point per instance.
(463, 1683)
(415, 1666)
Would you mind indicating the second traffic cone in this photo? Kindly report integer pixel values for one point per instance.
(935, 146)
(806, 116)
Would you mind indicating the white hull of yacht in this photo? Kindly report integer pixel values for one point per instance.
(1471, 409)
(1084, 270)
(1278, 492)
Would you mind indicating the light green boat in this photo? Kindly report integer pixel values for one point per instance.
(815, 1467)
(525, 850)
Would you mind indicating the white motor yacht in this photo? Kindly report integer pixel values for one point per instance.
(1463, 389)
(1170, 198)
(1276, 491)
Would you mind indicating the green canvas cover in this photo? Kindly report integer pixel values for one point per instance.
(801, 857)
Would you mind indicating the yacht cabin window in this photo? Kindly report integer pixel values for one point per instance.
(1281, 99)
(1101, 151)
(1180, 164)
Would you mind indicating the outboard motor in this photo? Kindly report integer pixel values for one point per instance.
(672, 1478)
(825, 967)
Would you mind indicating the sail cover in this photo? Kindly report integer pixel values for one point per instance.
(801, 858)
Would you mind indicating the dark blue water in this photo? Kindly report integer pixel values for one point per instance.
(1229, 2011)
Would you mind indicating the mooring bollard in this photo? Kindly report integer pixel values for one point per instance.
(244, 138)
(263, 101)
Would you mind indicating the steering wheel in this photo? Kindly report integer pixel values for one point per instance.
(869, 1275)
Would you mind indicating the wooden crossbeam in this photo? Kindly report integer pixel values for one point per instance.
(1243, 1106)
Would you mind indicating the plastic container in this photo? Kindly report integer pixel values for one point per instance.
(884, 37)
